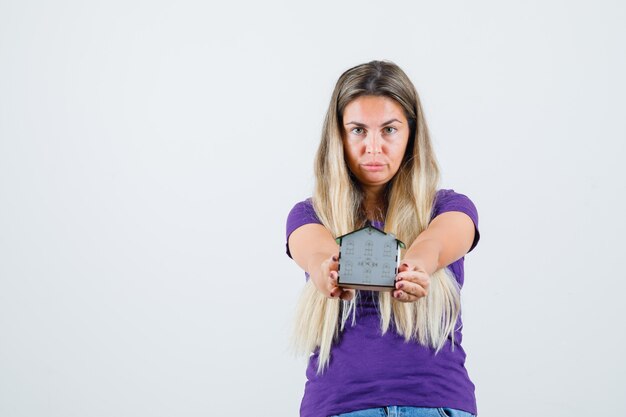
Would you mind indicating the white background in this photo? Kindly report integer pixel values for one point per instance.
(150, 152)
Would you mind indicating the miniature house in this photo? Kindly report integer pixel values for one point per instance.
(368, 259)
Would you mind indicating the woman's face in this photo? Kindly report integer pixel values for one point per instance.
(375, 136)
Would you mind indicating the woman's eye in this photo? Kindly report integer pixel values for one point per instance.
(357, 130)
(389, 130)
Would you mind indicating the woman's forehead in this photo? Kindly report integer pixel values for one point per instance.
(373, 109)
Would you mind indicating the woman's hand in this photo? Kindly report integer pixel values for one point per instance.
(412, 281)
(325, 279)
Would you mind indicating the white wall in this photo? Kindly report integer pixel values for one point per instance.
(150, 153)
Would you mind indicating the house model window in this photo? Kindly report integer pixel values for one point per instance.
(368, 259)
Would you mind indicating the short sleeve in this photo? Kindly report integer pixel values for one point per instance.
(449, 200)
(302, 213)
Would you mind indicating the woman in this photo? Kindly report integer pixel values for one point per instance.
(395, 352)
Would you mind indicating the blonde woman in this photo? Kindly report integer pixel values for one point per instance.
(386, 353)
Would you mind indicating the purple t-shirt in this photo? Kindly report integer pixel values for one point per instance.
(368, 369)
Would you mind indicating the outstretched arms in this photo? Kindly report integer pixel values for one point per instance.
(313, 248)
(448, 237)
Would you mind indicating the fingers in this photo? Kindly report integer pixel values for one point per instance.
(328, 280)
(410, 278)
(405, 296)
(333, 281)
(332, 263)
(411, 284)
(413, 274)
(405, 267)
(347, 295)
(407, 291)
(335, 291)
(341, 293)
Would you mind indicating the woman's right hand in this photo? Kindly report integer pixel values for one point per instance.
(325, 279)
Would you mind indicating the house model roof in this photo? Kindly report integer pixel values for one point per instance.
(368, 258)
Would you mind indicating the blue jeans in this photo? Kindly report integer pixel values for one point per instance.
(396, 411)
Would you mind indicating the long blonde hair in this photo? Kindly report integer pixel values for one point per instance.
(409, 195)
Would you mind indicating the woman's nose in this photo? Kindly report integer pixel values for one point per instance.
(372, 144)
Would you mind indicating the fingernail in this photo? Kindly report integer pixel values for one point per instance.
(335, 258)
(400, 285)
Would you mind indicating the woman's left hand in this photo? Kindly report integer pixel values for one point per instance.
(412, 281)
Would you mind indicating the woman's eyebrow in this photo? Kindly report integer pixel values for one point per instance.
(364, 125)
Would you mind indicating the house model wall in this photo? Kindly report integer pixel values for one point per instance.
(368, 259)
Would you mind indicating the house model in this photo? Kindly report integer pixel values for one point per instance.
(368, 259)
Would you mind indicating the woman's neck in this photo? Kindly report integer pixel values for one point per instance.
(374, 204)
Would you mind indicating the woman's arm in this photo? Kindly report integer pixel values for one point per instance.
(314, 249)
(448, 237)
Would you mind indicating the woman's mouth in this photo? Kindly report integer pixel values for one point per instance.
(373, 166)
